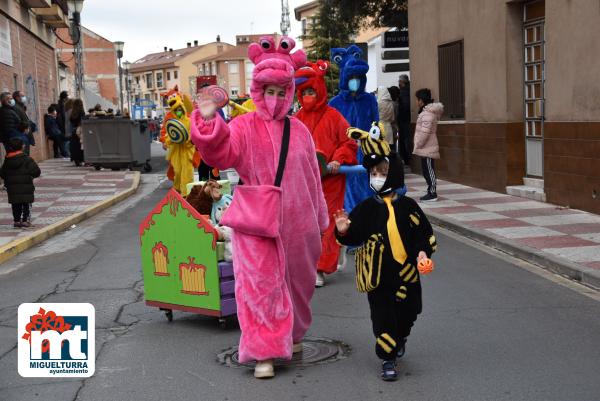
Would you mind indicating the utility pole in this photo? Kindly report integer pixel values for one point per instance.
(285, 17)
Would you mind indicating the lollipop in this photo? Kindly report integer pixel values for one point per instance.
(425, 266)
(214, 93)
(177, 131)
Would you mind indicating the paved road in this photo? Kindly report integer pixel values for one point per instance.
(491, 329)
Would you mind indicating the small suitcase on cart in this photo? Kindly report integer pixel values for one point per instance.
(181, 262)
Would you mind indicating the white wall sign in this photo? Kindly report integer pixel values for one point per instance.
(5, 49)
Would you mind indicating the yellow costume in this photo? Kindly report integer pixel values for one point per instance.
(175, 134)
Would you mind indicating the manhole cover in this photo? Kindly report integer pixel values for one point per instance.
(314, 351)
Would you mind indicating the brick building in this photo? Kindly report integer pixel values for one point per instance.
(100, 68)
(27, 60)
(519, 80)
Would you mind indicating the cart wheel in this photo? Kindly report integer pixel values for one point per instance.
(168, 314)
(97, 167)
(222, 323)
(147, 167)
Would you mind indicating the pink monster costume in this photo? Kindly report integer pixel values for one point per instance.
(275, 277)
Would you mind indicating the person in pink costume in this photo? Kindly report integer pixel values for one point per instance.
(275, 277)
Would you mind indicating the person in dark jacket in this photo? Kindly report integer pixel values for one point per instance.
(31, 127)
(405, 140)
(11, 125)
(60, 118)
(394, 235)
(53, 132)
(18, 172)
(75, 117)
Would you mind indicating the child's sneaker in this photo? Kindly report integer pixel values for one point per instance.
(401, 351)
(388, 371)
(429, 198)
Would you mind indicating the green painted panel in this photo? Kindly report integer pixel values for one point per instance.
(179, 257)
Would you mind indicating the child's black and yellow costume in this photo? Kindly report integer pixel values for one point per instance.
(392, 232)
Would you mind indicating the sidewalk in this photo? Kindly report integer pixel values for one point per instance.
(562, 240)
(64, 195)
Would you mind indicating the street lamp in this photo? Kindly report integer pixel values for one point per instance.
(75, 7)
(119, 48)
(127, 64)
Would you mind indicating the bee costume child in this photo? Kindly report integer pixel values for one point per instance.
(393, 233)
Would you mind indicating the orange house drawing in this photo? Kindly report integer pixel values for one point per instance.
(192, 278)
(160, 257)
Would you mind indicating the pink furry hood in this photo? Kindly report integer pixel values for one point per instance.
(274, 66)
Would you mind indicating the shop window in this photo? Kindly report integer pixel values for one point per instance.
(452, 79)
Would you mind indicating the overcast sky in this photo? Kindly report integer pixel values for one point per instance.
(146, 26)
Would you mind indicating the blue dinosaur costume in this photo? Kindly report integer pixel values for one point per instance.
(359, 109)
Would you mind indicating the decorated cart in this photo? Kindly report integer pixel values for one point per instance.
(182, 261)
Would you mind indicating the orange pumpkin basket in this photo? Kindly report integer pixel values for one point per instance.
(425, 266)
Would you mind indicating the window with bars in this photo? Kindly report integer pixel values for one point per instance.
(452, 79)
(534, 78)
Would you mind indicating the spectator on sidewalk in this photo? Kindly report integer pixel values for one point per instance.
(76, 146)
(61, 110)
(18, 172)
(426, 141)
(11, 124)
(387, 114)
(53, 131)
(405, 140)
(21, 109)
(62, 120)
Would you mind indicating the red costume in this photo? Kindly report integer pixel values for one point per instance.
(328, 129)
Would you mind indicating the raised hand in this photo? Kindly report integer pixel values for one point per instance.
(207, 109)
(342, 222)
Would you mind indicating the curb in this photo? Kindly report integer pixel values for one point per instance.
(13, 248)
(587, 276)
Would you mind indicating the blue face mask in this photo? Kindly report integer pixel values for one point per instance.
(353, 84)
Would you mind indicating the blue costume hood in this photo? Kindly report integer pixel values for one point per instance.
(359, 109)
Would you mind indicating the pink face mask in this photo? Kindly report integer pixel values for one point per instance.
(274, 105)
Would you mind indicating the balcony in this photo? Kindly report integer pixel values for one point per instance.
(52, 16)
(36, 3)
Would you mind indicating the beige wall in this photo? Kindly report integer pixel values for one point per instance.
(493, 73)
(186, 67)
(573, 60)
(492, 33)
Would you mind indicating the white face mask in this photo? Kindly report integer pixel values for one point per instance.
(377, 183)
(24, 99)
(11, 102)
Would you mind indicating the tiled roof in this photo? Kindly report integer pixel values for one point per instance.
(236, 53)
(162, 59)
